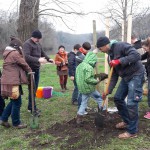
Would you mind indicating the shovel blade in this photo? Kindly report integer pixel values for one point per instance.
(99, 120)
(34, 122)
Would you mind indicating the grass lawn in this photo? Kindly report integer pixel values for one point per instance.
(57, 130)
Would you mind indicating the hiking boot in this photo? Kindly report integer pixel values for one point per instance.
(74, 103)
(21, 126)
(85, 113)
(79, 120)
(5, 124)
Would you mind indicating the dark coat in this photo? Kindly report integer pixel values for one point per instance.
(33, 51)
(79, 58)
(147, 65)
(130, 62)
(72, 63)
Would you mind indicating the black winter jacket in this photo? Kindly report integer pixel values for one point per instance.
(130, 62)
(72, 63)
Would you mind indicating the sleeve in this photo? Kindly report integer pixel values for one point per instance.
(21, 62)
(144, 56)
(113, 81)
(71, 64)
(27, 48)
(89, 77)
(57, 61)
(130, 56)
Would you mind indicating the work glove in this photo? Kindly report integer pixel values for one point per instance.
(114, 63)
(101, 76)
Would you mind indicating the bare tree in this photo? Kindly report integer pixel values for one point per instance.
(29, 14)
(28, 18)
(119, 10)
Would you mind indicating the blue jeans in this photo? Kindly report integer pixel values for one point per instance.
(85, 97)
(13, 109)
(75, 92)
(36, 79)
(129, 111)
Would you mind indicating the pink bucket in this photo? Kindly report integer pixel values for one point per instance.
(47, 92)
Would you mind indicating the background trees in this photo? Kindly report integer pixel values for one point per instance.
(33, 15)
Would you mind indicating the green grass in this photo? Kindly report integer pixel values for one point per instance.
(57, 110)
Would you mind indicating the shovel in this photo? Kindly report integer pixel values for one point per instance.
(34, 124)
(100, 115)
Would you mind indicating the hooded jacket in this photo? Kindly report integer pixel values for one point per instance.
(14, 67)
(85, 74)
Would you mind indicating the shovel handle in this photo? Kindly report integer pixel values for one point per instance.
(107, 85)
(32, 89)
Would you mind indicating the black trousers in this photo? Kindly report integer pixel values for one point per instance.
(2, 105)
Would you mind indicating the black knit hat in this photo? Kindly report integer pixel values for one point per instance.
(36, 34)
(102, 41)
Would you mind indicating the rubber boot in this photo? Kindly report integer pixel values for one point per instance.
(62, 88)
(79, 120)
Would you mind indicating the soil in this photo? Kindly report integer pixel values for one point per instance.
(73, 134)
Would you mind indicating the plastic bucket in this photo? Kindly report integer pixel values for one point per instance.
(39, 92)
(47, 92)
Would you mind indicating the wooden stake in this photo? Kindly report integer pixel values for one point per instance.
(129, 31)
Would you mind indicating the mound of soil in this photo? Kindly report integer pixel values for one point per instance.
(89, 133)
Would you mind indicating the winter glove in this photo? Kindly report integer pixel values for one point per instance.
(114, 63)
(101, 76)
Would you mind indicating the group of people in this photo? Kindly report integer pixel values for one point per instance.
(127, 64)
(19, 60)
(22, 58)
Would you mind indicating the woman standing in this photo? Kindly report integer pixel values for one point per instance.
(146, 47)
(13, 76)
(61, 61)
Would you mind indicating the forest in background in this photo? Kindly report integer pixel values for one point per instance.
(52, 39)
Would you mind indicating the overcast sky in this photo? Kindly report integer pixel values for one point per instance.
(78, 24)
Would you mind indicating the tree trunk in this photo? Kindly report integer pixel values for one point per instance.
(28, 18)
(125, 20)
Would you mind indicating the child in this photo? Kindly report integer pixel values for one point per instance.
(146, 47)
(86, 46)
(86, 83)
(72, 69)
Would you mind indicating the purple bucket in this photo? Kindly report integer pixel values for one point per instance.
(47, 92)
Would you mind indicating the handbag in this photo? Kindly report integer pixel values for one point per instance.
(15, 92)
